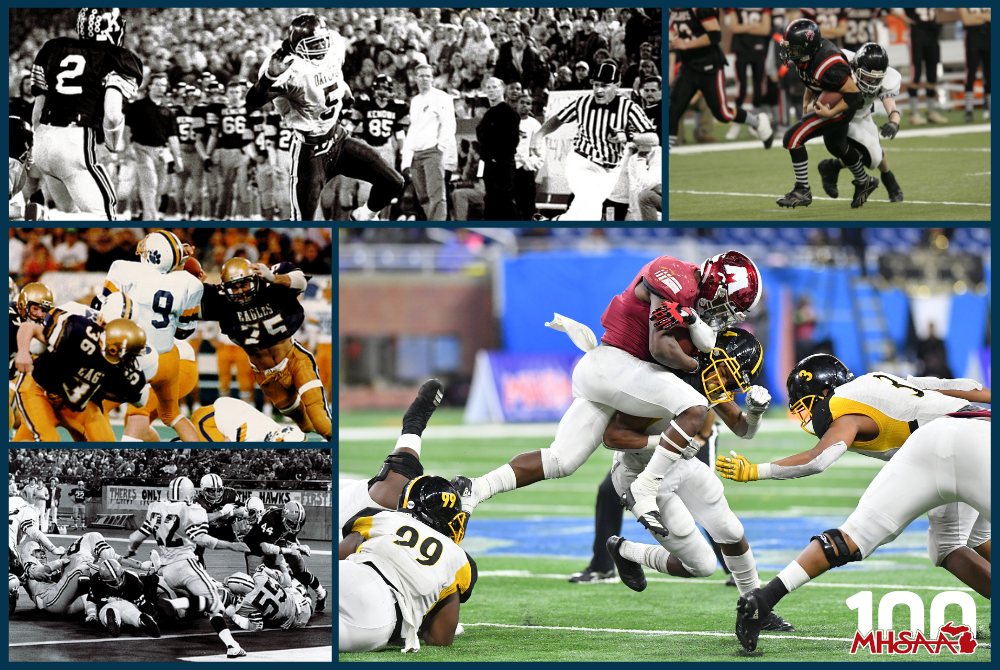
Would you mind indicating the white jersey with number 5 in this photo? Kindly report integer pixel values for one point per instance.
(175, 526)
(162, 302)
(311, 93)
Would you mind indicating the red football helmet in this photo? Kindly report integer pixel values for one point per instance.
(730, 289)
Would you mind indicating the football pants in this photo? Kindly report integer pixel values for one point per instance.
(367, 609)
(204, 422)
(295, 389)
(42, 413)
(68, 160)
(228, 357)
(188, 380)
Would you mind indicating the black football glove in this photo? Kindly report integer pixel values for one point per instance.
(889, 129)
(670, 315)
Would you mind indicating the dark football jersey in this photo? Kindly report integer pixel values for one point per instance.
(78, 496)
(750, 16)
(687, 23)
(270, 529)
(73, 74)
(861, 25)
(828, 69)
(189, 124)
(229, 496)
(279, 134)
(827, 18)
(211, 113)
(15, 568)
(924, 21)
(258, 126)
(235, 128)
(15, 322)
(73, 367)
(377, 124)
(140, 591)
(274, 314)
(982, 30)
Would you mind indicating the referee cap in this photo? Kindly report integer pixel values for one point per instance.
(607, 72)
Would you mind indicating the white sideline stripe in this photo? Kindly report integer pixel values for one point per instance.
(766, 195)
(977, 174)
(118, 639)
(901, 135)
(507, 430)
(307, 655)
(698, 633)
(679, 580)
(318, 552)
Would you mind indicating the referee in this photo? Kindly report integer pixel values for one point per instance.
(603, 121)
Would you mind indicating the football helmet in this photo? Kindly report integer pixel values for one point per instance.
(211, 488)
(286, 434)
(255, 509)
(163, 250)
(80, 484)
(122, 340)
(435, 501)
(240, 583)
(730, 289)
(32, 548)
(870, 65)
(117, 306)
(22, 137)
(239, 282)
(732, 367)
(382, 87)
(293, 516)
(11, 290)
(35, 294)
(309, 38)
(807, 381)
(802, 40)
(105, 24)
(180, 490)
(111, 573)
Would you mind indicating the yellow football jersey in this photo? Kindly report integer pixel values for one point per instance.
(898, 407)
(175, 526)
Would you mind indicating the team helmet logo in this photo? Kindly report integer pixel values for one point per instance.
(154, 257)
(810, 34)
(806, 374)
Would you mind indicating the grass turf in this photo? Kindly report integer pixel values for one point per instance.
(929, 169)
(553, 620)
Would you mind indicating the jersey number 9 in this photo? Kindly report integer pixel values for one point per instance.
(431, 548)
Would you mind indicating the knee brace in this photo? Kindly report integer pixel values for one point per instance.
(691, 446)
(405, 464)
(845, 556)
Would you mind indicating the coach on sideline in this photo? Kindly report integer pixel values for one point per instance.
(154, 128)
(604, 120)
(498, 133)
(429, 147)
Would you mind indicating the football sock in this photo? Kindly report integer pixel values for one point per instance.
(913, 101)
(889, 179)
(932, 104)
(969, 101)
(744, 569)
(673, 141)
(660, 462)
(500, 480)
(801, 173)
(988, 105)
(410, 441)
(772, 592)
(126, 438)
(858, 170)
(793, 576)
(752, 120)
(651, 555)
(225, 634)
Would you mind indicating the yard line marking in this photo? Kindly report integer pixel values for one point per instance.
(118, 639)
(679, 580)
(765, 195)
(307, 655)
(640, 631)
(977, 174)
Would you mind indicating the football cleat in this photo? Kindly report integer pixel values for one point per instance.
(239, 282)
(862, 189)
(645, 512)
(630, 572)
(773, 622)
(293, 516)
(148, 625)
(113, 625)
(286, 434)
(765, 131)
(419, 413)
(358, 215)
(935, 117)
(590, 576)
(733, 133)
(796, 197)
(321, 599)
(181, 490)
(750, 615)
(829, 172)
(917, 120)
(235, 651)
(211, 488)
(464, 487)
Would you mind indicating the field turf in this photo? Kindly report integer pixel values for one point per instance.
(944, 178)
(527, 542)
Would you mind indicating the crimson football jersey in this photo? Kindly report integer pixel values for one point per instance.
(377, 124)
(687, 23)
(73, 75)
(827, 70)
(626, 320)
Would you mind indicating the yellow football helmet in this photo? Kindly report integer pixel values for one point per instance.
(122, 340)
(35, 294)
(239, 282)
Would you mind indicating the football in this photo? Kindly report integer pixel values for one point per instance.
(683, 337)
(192, 266)
(830, 98)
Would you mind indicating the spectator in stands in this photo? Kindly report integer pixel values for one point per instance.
(564, 80)
(804, 319)
(518, 60)
(470, 193)
(561, 44)
(587, 41)
(37, 262)
(71, 253)
(15, 252)
(526, 164)
(581, 77)
(632, 71)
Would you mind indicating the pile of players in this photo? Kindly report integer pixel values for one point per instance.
(91, 579)
(71, 365)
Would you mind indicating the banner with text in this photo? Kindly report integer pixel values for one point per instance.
(520, 387)
(139, 497)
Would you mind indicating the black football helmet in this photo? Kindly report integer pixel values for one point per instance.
(435, 501)
(806, 383)
(802, 40)
(870, 64)
(21, 138)
(105, 24)
(382, 87)
(309, 38)
(732, 367)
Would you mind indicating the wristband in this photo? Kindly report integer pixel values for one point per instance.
(763, 471)
(652, 441)
(751, 418)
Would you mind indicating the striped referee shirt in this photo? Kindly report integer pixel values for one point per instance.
(598, 123)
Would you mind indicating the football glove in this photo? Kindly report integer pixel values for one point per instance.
(889, 129)
(670, 315)
(757, 400)
(91, 618)
(737, 468)
(304, 550)
(59, 551)
(227, 509)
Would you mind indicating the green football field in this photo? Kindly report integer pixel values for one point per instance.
(944, 178)
(527, 542)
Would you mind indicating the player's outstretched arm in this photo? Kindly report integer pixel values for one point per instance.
(261, 92)
(625, 431)
(441, 622)
(26, 333)
(350, 544)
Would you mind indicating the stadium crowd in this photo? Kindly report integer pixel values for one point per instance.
(282, 467)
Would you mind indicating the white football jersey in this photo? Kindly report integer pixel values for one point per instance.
(162, 302)
(889, 89)
(424, 565)
(241, 422)
(175, 526)
(21, 517)
(319, 321)
(312, 93)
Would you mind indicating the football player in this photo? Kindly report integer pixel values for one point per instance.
(179, 526)
(187, 382)
(279, 146)
(822, 67)
(636, 373)
(15, 577)
(945, 463)
(18, 167)
(23, 526)
(79, 496)
(120, 597)
(862, 25)
(269, 598)
(222, 507)
(228, 356)
(380, 121)
(80, 87)
(403, 571)
(305, 80)
(166, 304)
(874, 415)
(257, 308)
(319, 327)
(54, 586)
(751, 28)
(876, 80)
(191, 125)
(235, 138)
(273, 540)
(231, 420)
(925, 54)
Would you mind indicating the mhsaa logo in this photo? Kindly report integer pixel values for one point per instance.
(885, 640)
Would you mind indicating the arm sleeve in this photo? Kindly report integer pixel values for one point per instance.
(935, 384)
(638, 119)
(827, 457)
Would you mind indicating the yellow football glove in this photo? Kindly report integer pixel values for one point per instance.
(737, 468)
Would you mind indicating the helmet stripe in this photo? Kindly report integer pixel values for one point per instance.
(409, 487)
(128, 307)
(173, 247)
(760, 360)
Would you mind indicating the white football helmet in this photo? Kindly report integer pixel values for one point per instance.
(163, 250)
(255, 508)
(181, 490)
(117, 306)
(35, 550)
(11, 290)
(211, 488)
(286, 434)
